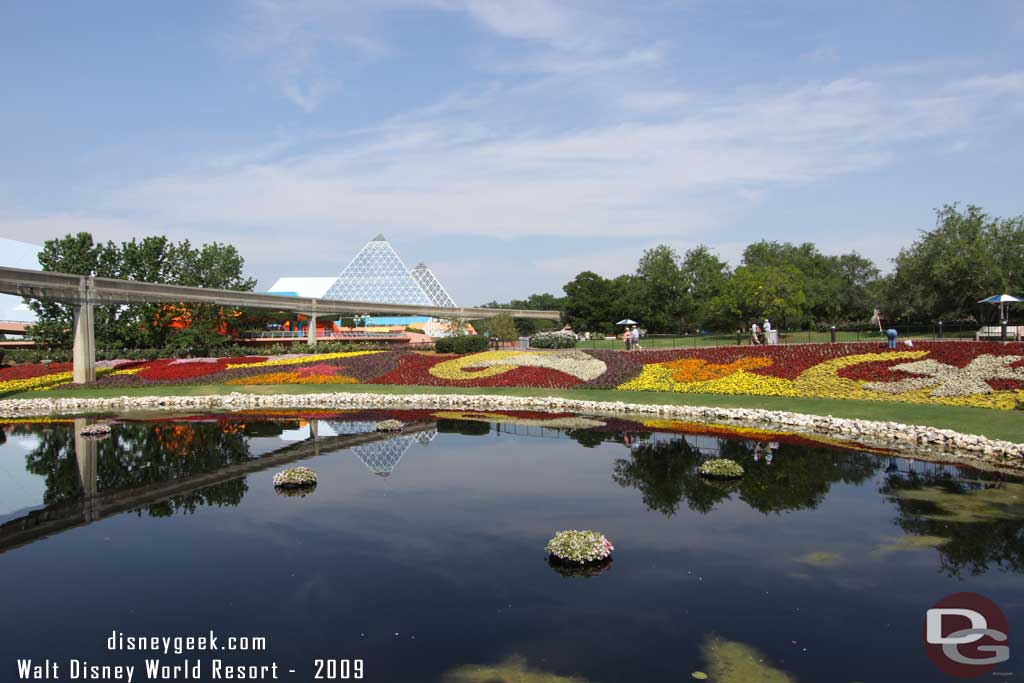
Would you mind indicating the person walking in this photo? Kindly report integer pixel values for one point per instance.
(635, 333)
(627, 337)
(755, 333)
(767, 329)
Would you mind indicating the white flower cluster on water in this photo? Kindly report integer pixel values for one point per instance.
(389, 426)
(95, 430)
(721, 468)
(295, 477)
(580, 546)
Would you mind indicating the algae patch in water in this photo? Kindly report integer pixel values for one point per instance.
(910, 542)
(732, 662)
(997, 502)
(512, 670)
(821, 559)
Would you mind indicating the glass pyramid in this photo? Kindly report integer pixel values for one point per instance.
(377, 274)
(424, 277)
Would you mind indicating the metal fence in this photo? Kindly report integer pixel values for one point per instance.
(946, 331)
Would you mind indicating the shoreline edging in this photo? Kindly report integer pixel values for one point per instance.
(943, 444)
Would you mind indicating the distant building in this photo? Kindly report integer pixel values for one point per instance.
(376, 274)
(14, 254)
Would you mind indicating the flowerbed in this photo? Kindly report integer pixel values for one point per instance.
(579, 547)
(981, 374)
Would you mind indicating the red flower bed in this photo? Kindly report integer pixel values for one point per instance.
(414, 368)
(169, 369)
(33, 370)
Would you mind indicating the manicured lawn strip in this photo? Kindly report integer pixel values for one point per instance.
(998, 424)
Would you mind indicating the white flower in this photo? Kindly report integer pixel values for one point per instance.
(950, 380)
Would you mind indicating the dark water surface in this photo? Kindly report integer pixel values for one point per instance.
(422, 553)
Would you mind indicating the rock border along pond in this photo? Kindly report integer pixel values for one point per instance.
(911, 440)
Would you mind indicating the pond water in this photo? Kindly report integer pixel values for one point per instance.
(421, 554)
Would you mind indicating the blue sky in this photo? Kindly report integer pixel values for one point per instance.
(509, 144)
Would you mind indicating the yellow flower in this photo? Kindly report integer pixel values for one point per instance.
(300, 359)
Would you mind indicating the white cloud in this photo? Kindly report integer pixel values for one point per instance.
(1011, 82)
(443, 175)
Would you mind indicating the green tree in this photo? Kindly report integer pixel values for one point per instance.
(834, 285)
(535, 302)
(704, 276)
(967, 257)
(153, 259)
(500, 326)
(661, 296)
(588, 302)
(79, 255)
(755, 292)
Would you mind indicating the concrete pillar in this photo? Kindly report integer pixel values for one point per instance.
(312, 328)
(314, 433)
(87, 455)
(83, 352)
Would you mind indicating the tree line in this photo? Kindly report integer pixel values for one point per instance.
(966, 257)
(143, 326)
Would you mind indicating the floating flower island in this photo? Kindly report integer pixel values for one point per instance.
(389, 426)
(721, 468)
(579, 549)
(96, 431)
(295, 480)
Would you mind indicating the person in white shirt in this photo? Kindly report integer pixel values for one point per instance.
(767, 327)
(755, 332)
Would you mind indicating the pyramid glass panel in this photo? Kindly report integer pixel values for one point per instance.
(378, 275)
(435, 290)
(381, 457)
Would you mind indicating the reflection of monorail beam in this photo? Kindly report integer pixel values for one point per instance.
(93, 506)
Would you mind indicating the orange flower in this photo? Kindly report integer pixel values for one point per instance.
(699, 370)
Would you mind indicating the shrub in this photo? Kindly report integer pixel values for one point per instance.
(579, 546)
(553, 340)
(464, 344)
(389, 426)
(721, 468)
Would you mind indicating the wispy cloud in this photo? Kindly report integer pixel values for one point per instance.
(440, 175)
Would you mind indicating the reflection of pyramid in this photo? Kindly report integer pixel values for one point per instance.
(340, 427)
(377, 274)
(381, 457)
(424, 277)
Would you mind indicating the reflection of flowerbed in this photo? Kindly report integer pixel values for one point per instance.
(983, 374)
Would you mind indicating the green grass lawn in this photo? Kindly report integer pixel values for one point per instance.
(998, 424)
(798, 337)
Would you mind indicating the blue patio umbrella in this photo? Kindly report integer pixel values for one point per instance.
(626, 321)
(1002, 300)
